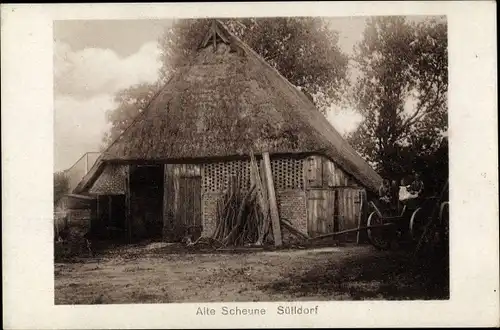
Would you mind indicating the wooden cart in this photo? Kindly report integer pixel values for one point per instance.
(415, 221)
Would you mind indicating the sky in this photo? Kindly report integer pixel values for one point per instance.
(95, 59)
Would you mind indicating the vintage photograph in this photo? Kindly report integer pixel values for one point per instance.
(251, 159)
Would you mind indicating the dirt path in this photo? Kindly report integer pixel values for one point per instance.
(150, 275)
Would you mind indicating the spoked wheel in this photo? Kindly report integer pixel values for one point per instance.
(417, 224)
(377, 236)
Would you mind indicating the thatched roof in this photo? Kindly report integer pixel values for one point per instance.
(112, 181)
(227, 101)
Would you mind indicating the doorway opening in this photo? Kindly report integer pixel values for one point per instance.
(146, 201)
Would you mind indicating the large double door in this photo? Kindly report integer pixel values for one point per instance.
(334, 210)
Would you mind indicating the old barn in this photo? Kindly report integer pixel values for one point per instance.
(163, 176)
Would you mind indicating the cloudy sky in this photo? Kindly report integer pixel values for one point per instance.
(95, 59)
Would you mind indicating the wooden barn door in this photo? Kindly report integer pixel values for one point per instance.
(321, 212)
(189, 211)
(349, 203)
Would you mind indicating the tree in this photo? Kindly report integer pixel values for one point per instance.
(401, 92)
(61, 186)
(303, 50)
(131, 102)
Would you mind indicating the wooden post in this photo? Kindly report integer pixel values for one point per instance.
(273, 207)
(128, 215)
(256, 179)
(267, 219)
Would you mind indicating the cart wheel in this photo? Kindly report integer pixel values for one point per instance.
(417, 224)
(377, 235)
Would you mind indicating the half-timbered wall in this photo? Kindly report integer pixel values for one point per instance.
(333, 198)
(321, 172)
(288, 177)
(313, 193)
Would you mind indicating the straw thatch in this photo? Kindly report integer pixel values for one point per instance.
(226, 102)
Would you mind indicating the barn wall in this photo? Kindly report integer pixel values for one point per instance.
(209, 212)
(313, 193)
(321, 208)
(292, 206)
(288, 179)
(321, 172)
(333, 198)
(349, 203)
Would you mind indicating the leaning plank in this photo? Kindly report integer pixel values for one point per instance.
(293, 230)
(264, 207)
(255, 178)
(267, 220)
(352, 230)
(273, 206)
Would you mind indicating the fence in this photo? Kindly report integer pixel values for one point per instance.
(80, 168)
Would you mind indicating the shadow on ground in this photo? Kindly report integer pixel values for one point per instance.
(378, 276)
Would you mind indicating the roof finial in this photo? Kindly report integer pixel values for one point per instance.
(215, 32)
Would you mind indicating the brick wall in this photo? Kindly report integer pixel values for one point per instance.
(292, 205)
(209, 212)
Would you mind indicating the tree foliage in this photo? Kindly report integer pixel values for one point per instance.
(303, 50)
(131, 101)
(61, 186)
(401, 92)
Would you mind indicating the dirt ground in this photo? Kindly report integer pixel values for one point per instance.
(163, 273)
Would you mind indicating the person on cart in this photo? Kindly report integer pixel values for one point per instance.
(417, 186)
(410, 195)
